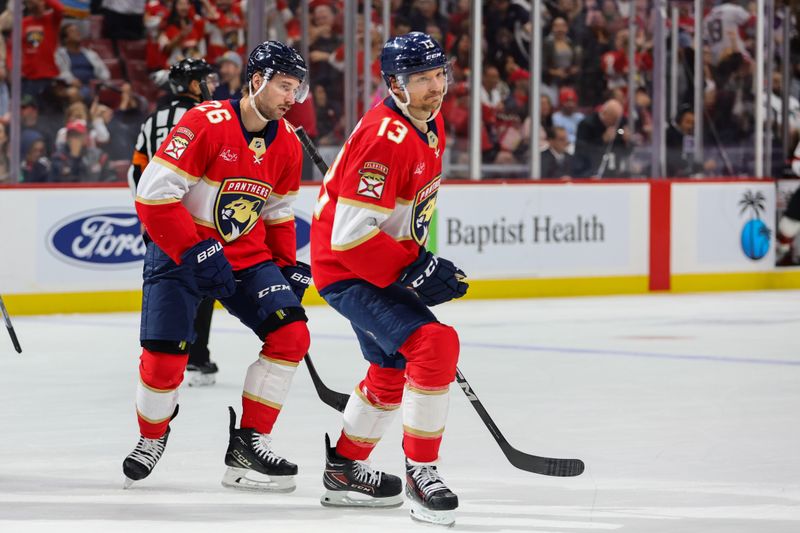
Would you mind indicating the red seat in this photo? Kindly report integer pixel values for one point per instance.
(103, 47)
(114, 67)
(133, 50)
(109, 96)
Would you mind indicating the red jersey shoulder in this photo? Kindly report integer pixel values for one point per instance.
(288, 138)
(186, 146)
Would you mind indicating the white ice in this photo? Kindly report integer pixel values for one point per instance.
(685, 408)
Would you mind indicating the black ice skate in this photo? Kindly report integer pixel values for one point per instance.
(252, 465)
(141, 461)
(431, 500)
(355, 484)
(201, 375)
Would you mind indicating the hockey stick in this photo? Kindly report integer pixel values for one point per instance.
(9, 327)
(547, 466)
(337, 400)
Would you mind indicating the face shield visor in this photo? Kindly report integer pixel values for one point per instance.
(300, 92)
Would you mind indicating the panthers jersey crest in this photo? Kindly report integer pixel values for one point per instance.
(238, 206)
(424, 206)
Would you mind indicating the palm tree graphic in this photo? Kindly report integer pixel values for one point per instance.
(756, 202)
(755, 234)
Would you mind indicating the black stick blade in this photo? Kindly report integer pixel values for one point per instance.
(329, 397)
(546, 466)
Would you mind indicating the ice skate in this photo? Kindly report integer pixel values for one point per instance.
(431, 501)
(202, 375)
(356, 484)
(252, 465)
(141, 461)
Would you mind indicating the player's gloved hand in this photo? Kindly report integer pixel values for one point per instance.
(435, 279)
(212, 271)
(299, 277)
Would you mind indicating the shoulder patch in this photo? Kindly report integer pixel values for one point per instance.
(177, 145)
(373, 177)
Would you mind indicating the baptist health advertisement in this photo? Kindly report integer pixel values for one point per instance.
(85, 244)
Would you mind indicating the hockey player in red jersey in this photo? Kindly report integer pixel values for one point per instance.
(216, 201)
(369, 261)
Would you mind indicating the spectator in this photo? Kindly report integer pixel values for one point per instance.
(183, 36)
(230, 76)
(556, 161)
(78, 112)
(602, 146)
(35, 165)
(545, 112)
(329, 115)
(5, 163)
(680, 147)
(424, 13)
(595, 43)
(123, 124)
(560, 57)
(568, 116)
(123, 19)
(224, 29)
(39, 41)
(77, 161)
(494, 91)
(323, 43)
(79, 66)
(29, 116)
(501, 17)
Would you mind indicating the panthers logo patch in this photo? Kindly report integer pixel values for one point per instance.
(424, 206)
(238, 206)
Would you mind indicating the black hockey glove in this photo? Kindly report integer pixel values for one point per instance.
(299, 277)
(436, 280)
(212, 271)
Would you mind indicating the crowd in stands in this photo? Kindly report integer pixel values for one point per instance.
(92, 70)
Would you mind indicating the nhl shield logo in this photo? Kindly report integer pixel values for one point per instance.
(238, 206)
(424, 206)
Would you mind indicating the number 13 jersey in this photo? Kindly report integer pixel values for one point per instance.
(378, 198)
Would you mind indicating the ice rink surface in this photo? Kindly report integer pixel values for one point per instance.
(685, 408)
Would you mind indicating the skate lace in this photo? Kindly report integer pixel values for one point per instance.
(262, 445)
(366, 474)
(148, 451)
(428, 479)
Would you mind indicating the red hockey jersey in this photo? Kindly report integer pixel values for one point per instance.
(213, 178)
(377, 199)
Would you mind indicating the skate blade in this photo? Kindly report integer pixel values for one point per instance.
(340, 498)
(196, 379)
(428, 516)
(128, 483)
(250, 480)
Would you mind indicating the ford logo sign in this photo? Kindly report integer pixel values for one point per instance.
(102, 239)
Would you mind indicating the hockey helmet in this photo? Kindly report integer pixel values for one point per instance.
(413, 52)
(184, 71)
(273, 57)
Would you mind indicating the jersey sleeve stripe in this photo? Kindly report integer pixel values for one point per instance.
(271, 221)
(364, 205)
(146, 201)
(352, 244)
(202, 222)
(176, 170)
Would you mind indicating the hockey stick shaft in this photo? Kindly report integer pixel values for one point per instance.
(9, 327)
(334, 399)
(531, 463)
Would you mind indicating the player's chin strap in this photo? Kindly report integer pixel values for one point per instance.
(252, 98)
(403, 106)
